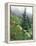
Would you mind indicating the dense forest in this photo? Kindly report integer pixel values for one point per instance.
(21, 27)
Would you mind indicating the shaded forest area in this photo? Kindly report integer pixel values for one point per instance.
(20, 27)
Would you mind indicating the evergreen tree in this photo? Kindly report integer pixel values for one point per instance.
(24, 21)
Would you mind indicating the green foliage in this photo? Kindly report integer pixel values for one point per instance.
(25, 21)
(20, 27)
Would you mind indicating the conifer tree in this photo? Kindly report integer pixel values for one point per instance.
(24, 21)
